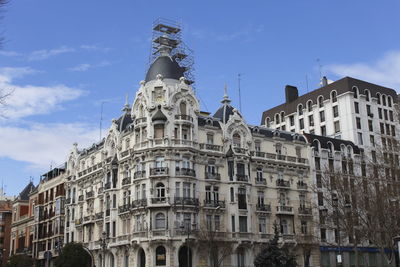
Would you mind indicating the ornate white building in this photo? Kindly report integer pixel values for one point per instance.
(166, 171)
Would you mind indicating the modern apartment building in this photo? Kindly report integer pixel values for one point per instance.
(166, 171)
(348, 109)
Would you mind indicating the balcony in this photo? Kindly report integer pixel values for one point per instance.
(124, 208)
(125, 153)
(239, 150)
(282, 183)
(98, 216)
(126, 181)
(212, 176)
(305, 211)
(185, 172)
(139, 203)
(280, 157)
(302, 185)
(184, 142)
(258, 154)
(284, 209)
(140, 120)
(301, 160)
(263, 207)
(261, 181)
(159, 171)
(139, 174)
(214, 204)
(242, 178)
(87, 219)
(89, 194)
(78, 221)
(184, 118)
(211, 147)
(159, 200)
(186, 201)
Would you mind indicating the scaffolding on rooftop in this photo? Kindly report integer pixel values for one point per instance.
(168, 33)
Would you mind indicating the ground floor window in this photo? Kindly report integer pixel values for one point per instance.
(161, 256)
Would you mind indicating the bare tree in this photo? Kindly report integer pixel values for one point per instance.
(361, 202)
(217, 245)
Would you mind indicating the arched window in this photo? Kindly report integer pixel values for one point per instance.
(334, 96)
(300, 109)
(161, 256)
(330, 147)
(378, 96)
(236, 140)
(277, 121)
(316, 145)
(355, 92)
(160, 191)
(160, 221)
(283, 116)
(367, 94)
(389, 101)
(182, 108)
(320, 101)
(384, 100)
(309, 105)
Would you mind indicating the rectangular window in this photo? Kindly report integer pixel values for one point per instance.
(323, 234)
(320, 199)
(335, 110)
(242, 198)
(336, 125)
(301, 123)
(243, 224)
(356, 107)
(385, 113)
(360, 139)
(304, 227)
(380, 113)
(232, 195)
(311, 120)
(230, 170)
(210, 139)
(370, 126)
(323, 130)
(186, 190)
(291, 119)
(322, 116)
(233, 223)
(391, 115)
(358, 123)
(262, 225)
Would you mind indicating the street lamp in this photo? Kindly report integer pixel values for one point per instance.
(335, 202)
(188, 231)
(103, 243)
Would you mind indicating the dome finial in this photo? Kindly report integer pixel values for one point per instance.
(225, 99)
(126, 106)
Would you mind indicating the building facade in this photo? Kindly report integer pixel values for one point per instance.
(5, 229)
(22, 222)
(48, 204)
(166, 171)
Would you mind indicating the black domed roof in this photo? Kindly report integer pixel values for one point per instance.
(167, 67)
(224, 112)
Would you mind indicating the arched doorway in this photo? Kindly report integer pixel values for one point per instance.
(185, 257)
(141, 258)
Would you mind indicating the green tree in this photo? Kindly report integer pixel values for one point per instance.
(20, 261)
(274, 255)
(72, 255)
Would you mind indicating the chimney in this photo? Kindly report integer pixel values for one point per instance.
(324, 81)
(291, 93)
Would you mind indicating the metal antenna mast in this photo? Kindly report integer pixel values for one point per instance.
(240, 96)
(320, 69)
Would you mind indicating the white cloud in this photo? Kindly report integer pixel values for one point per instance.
(95, 48)
(44, 144)
(30, 99)
(385, 71)
(87, 66)
(9, 53)
(44, 54)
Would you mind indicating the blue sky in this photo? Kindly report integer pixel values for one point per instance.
(63, 58)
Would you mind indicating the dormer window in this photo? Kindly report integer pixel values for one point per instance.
(355, 92)
(309, 106)
(320, 101)
(236, 140)
(334, 96)
(300, 109)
